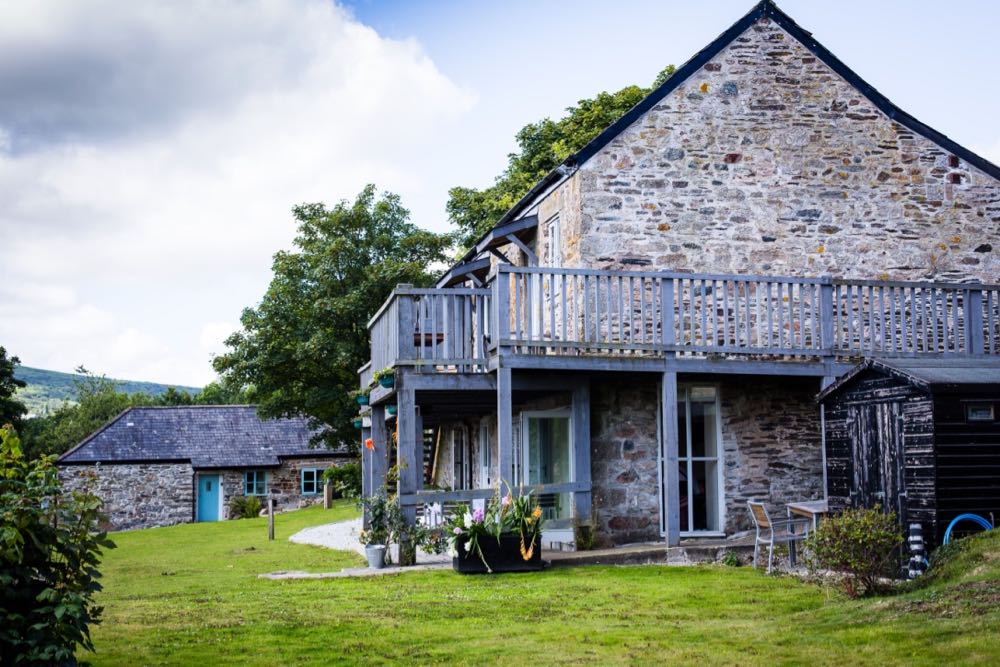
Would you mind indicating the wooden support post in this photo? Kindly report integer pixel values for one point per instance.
(327, 495)
(974, 338)
(270, 518)
(407, 325)
(581, 450)
(375, 461)
(505, 426)
(409, 466)
(668, 412)
(366, 490)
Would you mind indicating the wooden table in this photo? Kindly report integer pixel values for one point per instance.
(810, 509)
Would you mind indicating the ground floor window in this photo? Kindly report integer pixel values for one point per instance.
(547, 452)
(312, 481)
(255, 483)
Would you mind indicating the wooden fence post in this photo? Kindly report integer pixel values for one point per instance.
(328, 494)
(270, 518)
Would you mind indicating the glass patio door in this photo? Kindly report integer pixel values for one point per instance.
(548, 459)
(699, 460)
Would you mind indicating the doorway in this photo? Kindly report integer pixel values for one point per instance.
(209, 496)
(547, 458)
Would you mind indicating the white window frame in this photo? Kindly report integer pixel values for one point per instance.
(256, 472)
(682, 389)
(526, 416)
(485, 455)
(553, 242)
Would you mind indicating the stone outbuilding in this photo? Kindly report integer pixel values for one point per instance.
(158, 466)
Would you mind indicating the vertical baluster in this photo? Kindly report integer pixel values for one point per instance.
(770, 316)
(923, 321)
(551, 305)
(631, 311)
(562, 307)
(642, 309)
(725, 312)
(802, 317)
(434, 325)
(518, 315)
(991, 320)
(956, 337)
(781, 314)
(586, 308)
(736, 314)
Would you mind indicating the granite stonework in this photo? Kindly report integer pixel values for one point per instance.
(142, 495)
(284, 483)
(624, 461)
(766, 161)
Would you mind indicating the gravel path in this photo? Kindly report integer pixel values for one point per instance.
(343, 535)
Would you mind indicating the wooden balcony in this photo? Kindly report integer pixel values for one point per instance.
(558, 315)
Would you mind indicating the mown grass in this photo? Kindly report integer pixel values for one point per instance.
(190, 595)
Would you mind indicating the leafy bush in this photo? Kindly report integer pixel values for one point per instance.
(245, 507)
(345, 479)
(50, 549)
(862, 544)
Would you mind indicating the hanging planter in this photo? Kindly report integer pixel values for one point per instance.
(358, 423)
(362, 399)
(390, 409)
(385, 377)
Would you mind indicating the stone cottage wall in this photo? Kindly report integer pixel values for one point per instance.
(137, 495)
(767, 162)
(283, 482)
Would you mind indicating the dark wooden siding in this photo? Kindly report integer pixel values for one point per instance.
(846, 448)
(968, 458)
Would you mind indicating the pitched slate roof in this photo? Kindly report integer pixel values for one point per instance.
(928, 374)
(763, 9)
(216, 436)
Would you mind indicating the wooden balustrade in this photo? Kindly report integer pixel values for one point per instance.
(534, 310)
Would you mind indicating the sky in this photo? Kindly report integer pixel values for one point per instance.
(151, 152)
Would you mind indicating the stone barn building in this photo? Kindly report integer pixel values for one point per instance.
(158, 466)
(641, 338)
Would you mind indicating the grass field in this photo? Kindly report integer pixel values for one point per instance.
(190, 595)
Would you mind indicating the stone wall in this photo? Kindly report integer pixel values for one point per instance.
(283, 482)
(771, 445)
(137, 495)
(765, 161)
(624, 461)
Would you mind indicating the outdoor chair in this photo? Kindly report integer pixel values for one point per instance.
(770, 532)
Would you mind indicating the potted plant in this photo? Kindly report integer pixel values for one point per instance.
(385, 522)
(385, 377)
(503, 537)
(390, 409)
(358, 423)
(361, 396)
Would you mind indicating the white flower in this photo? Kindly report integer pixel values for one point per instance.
(468, 545)
(452, 553)
(467, 519)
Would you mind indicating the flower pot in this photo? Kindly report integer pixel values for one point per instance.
(387, 381)
(375, 553)
(390, 409)
(502, 556)
(362, 399)
(358, 423)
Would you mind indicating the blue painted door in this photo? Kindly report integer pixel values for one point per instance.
(208, 497)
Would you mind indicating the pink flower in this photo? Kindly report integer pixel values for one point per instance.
(478, 516)
(457, 530)
(505, 501)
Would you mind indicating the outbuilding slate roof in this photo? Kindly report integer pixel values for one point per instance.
(216, 436)
(928, 374)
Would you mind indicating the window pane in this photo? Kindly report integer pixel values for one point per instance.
(703, 438)
(682, 443)
(682, 477)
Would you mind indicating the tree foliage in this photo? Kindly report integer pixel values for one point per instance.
(542, 146)
(299, 350)
(50, 549)
(11, 409)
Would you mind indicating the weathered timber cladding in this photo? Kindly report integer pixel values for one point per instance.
(767, 162)
(852, 440)
(141, 495)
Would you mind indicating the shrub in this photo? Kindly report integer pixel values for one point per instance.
(245, 507)
(863, 545)
(345, 479)
(50, 548)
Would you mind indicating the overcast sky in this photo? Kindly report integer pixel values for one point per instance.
(150, 152)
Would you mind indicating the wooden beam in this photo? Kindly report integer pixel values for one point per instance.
(668, 411)
(528, 252)
(505, 426)
(375, 462)
(581, 450)
(407, 422)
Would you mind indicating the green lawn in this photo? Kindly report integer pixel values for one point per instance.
(190, 595)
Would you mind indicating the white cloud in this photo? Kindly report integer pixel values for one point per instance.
(148, 170)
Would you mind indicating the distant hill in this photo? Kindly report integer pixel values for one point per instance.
(47, 390)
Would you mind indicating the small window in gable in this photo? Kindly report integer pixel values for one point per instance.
(312, 481)
(255, 483)
(553, 242)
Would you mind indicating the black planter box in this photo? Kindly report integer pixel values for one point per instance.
(502, 557)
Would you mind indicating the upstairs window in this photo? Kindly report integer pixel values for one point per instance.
(255, 483)
(553, 242)
(312, 481)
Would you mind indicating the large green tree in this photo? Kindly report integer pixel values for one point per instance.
(11, 409)
(542, 146)
(299, 350)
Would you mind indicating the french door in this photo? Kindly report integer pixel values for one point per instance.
(699, 461)
(547, 458)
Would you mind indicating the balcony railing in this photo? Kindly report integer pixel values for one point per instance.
(532, 310)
